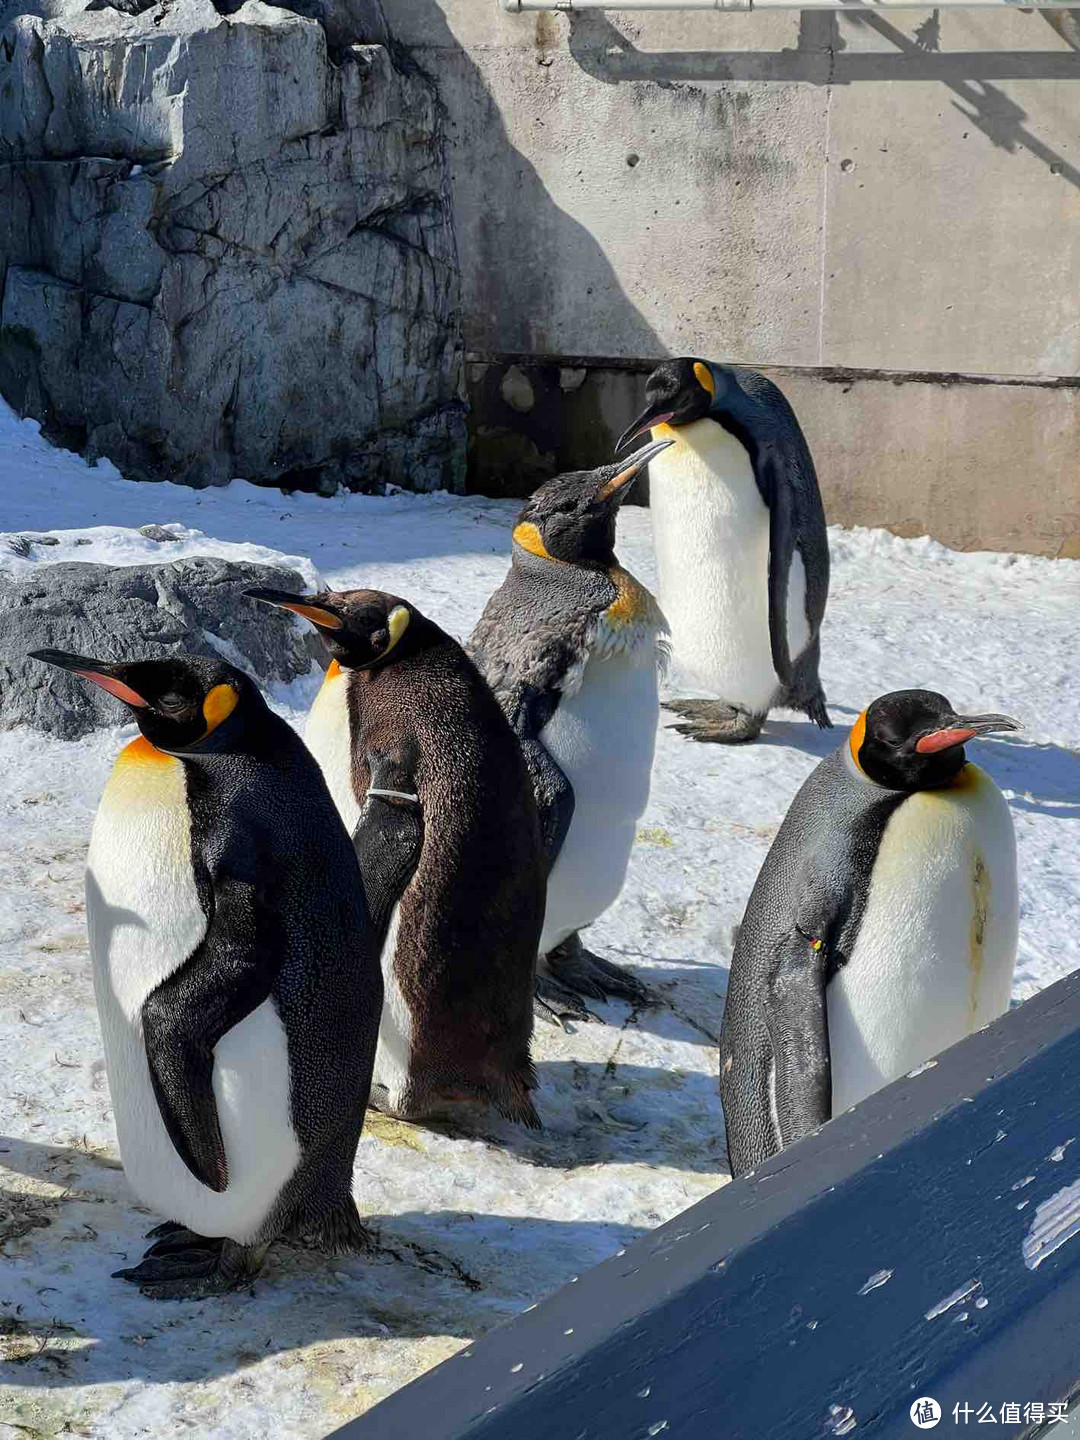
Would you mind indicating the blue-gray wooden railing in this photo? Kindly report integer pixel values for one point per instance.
(925, 1244)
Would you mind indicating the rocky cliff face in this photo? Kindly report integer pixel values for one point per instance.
(225, 252)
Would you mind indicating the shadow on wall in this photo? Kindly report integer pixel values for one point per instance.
(819, 58)
(502, 208)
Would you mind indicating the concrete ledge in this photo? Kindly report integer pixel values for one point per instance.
(979, 462)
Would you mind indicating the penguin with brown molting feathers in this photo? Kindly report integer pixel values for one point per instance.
(882, 927)
(429, 779)
(741, 546)
(236, 967)
(572, 646)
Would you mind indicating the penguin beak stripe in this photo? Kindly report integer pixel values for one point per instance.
(966, 728)
(114, 687)
(633, 469)
(317, 615)
(284, 601)
(645, 421)
(942, 740)
(80, 666)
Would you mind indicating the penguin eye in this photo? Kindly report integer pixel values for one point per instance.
(379, 641)
(172, 702)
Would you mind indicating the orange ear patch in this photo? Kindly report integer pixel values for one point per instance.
(856, 738)
(529, 538)
(218, 706)
(704, 377)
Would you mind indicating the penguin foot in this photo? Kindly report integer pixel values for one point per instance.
(557, 1003)
(715, 723)
(185, 1266)
(577, 972)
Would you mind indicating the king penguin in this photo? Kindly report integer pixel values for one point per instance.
(422, 764)
(236, 972)
(882, 927)
(571, 644)
(741, 547)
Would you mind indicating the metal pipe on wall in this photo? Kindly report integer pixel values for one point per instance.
(516, 6)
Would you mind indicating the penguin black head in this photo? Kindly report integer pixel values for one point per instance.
(362, 629)
(181, 704)
(677, 392)
(572, 517)
(914, 739)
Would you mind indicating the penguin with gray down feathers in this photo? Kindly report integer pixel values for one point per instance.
(741, 547)
(424, 768)
(571, 644)
(881, 930)
(237, 975)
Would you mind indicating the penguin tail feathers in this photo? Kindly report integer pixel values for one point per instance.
(510, 1096)
(339, 1230)
(817, 712)
(520, 1109)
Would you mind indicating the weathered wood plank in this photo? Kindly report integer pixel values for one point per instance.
(904, 1250)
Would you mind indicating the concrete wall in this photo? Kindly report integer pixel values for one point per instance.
(815, 192)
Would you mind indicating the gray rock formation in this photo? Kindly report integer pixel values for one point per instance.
(224, 250)
(191, 607)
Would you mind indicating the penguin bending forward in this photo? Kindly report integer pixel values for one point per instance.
(741, 547)
(881, 930)
(571, 643)
(423, 766)
(236, 971)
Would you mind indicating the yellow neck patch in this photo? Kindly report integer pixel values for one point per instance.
(856, 738)
(218, 706)
(528, 537)
(141, 752)
(704, 377)
(633, 602)
(333, 670)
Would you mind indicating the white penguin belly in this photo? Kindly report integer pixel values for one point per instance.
(934, 957)
(144, 919)
(328, 737)
(602, 738)
(711, 532)
(394, 1050)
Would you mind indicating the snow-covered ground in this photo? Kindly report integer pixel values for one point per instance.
(473, 1228)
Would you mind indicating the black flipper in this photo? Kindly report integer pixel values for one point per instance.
(554, 793)
(781, 551)
(225, 979)
(389, 836)
(798, 1023)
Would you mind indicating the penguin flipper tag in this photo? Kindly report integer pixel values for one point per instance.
(186, 1015)
(798, 1023)
(389, 836)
